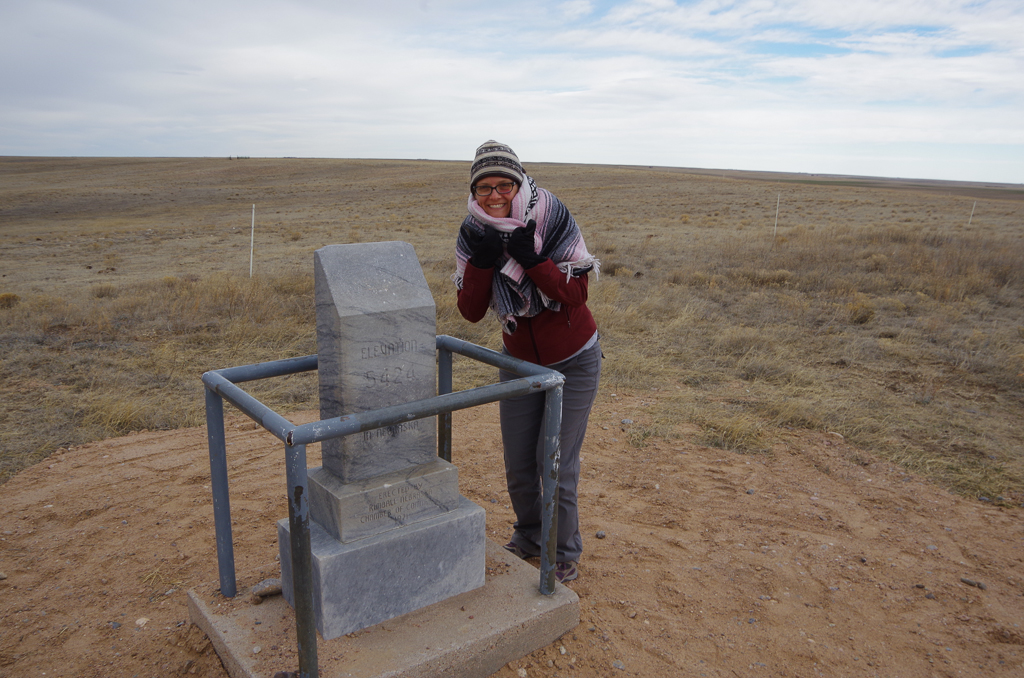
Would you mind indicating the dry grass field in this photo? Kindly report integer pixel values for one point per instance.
(874, 311)
(860, 365)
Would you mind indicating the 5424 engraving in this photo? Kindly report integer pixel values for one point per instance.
(392, 376)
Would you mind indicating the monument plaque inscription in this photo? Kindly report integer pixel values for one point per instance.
(375, 342)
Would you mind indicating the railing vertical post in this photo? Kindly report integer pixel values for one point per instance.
(444, 421)
(219, 487)
(552, 428)
(302, 572)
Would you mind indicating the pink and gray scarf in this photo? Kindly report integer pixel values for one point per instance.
(557, 237)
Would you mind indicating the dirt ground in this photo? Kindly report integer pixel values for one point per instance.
(796, 563)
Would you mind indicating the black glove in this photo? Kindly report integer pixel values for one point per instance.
(486, 247)
(520, 246)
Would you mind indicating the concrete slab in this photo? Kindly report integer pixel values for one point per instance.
(471, 635)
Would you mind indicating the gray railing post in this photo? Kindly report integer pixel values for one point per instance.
(444, 421)
(302, 573)
(549, 488)
(219, 488)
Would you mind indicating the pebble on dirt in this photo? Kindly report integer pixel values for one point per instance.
(267, 587)
(600, 534)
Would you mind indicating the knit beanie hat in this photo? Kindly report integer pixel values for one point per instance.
(495, 158)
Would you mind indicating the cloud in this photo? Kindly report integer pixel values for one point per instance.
(575, 9)
(798, 85)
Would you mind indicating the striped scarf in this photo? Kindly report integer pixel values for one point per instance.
(557, 237)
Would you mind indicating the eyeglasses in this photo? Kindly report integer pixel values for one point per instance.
(502, 188)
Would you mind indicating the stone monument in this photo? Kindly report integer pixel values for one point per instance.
(389, 531)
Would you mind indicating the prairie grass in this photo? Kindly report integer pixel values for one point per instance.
(874, 312)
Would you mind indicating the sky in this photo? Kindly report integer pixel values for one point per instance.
(893, 88)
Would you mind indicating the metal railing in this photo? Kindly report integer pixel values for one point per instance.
(222, 385)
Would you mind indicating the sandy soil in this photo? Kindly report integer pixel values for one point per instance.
(797, 563)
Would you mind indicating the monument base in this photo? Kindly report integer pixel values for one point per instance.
(471, 635)
(356, 510)
(365, 582)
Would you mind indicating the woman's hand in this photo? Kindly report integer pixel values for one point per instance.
(520, 245)
(486, 247)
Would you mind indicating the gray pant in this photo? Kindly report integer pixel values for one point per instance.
(521, 435)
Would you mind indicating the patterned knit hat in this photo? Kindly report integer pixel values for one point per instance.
(495, 158)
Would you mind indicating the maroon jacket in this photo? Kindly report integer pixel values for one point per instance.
(548, 337)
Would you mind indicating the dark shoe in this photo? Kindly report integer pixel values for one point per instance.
(566, 571)
(515, 550)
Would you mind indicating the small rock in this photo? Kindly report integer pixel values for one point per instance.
(141, 621)
(984, 499)
(930, 596)
(632, 615)
(627, 421)
(600, 534)
(619, 665)
(256, 649)
(750, 491)
(115, 625)
(919, 586)
(2, 576)
(267, 587)
(561, 649)
(932, 547)
(971, 582)
(521, 673)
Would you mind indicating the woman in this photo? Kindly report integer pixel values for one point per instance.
(520, 253)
